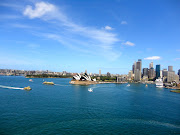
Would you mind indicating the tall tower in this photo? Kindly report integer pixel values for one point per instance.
(133, 67)
(138, 68)
(179, 73)
(158, 69)
(151, 65)
(86, 71)
(99, 72)
(170, 68)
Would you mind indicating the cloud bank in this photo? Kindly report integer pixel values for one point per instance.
(128, 43)
(98, 40)
(153, 58)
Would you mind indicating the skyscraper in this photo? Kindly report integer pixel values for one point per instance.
(170, 68)
(170, 76)
(151, 73)
(151, 65)
(158, 71)
(179, 73)
(133, 68)
(145, 71)
(164, 73)
(99, 72)
(86, 71)
(137, 70)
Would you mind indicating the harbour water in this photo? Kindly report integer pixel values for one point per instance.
(71, 109)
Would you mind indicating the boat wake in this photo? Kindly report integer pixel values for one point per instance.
(61, 85)
(8, 87)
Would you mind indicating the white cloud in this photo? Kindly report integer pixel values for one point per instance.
(153, 58)
(108, 28)
(40, 9)
(103, 41)
(123, 22)
(128, 43)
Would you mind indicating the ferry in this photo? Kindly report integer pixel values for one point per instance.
(49, 83)
(159, 83)
(27, 88)
(90, 90)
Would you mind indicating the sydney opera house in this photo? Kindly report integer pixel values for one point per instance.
(84, 77)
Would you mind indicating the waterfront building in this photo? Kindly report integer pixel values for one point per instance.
(158, 69)
(170, 68)
(84, 77)
(179, 73)
(99, 72)
(176, 79)
(145, 71)
(121, 79)
(170, 76)
(145, 78)
(151, 65)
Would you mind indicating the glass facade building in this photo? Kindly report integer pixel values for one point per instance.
(158, 69)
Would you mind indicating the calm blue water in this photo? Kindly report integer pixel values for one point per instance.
(68, 109)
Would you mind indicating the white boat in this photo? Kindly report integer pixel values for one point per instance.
(90, 90)
(30, 80)
(159, 83)
(128, 85)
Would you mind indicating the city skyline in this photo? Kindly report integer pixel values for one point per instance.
(76, 36)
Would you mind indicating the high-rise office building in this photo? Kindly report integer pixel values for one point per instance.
(133, 68)
(152, 73)
(137, 71)
(170, 76)
(86, 71)
(158, 69)
(164, 72)
(145, 71)
(176, 78)
(151, 65)
(170, 68)
(99, 72)
(179, 73)
(137, 76)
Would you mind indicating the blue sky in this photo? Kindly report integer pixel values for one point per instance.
(75, 35)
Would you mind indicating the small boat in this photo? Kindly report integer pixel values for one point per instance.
(128, 85)
(90, 90)
(146, 85)
(27, 88)
(30, 80)
(49, 83)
